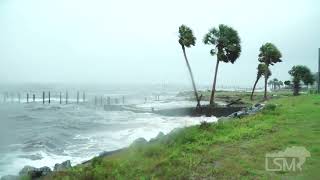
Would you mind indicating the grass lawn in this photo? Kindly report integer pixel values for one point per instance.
(230, 150)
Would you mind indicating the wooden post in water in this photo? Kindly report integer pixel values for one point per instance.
(78, 97)
(27, 97)
(66, 97)
(49, 98)
(43, 97)
(60, 98)
(84, 96)
(108, 100)
(33, 97)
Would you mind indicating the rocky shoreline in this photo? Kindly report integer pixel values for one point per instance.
(36, 173)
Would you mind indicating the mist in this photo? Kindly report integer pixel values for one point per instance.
(137, 41)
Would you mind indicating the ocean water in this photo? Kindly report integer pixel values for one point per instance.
(39, 134)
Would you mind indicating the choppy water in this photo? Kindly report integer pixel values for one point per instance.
(42, 135)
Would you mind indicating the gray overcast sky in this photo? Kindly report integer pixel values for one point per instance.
(136, 41)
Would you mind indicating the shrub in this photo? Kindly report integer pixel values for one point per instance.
(270, 107)
(204, 125)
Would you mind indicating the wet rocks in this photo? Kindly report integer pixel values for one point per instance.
(248, 111)
(26, 169)
(160, 135)
(35, 172)
(139, 141)
(63, 166)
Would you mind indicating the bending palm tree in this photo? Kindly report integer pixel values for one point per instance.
(269, 55)
(263, 70)
(227, 47)
(186, 39)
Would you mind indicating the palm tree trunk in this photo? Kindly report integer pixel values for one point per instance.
(265, 87)
(214, 83)
(254, 87)
(191, 76)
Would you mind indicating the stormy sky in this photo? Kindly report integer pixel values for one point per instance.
(118, 41)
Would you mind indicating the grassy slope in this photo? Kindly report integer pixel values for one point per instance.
(225, 150)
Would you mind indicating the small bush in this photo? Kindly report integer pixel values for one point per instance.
(96, 161)
(270, 107)
(204, 125)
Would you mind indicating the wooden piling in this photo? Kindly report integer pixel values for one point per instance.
(84, 97)
(67, 97)
(49, 98)
(78, 97)
(27, 97)
(43, 97)
(60, 98)
(33, 97)
(108, 100)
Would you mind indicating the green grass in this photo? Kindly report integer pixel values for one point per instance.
(233, 95)
(230, 150)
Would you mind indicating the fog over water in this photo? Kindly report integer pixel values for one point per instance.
(39, 134)
(123, 41)
(122, 48)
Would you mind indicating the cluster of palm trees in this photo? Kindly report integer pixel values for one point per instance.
(275, 83)
(225, 43)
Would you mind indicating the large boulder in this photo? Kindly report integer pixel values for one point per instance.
(139, 141)
(63, 166)
(160, 135)
(34, 172)
(26, 169)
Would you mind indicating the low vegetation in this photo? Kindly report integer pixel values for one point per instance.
(224, 150)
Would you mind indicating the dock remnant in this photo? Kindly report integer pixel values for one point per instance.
(43, 97)
(66, 97)
(78, 97)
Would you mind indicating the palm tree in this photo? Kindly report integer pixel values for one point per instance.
(263, 70)
(280, 84)
(287, 83)
(227, 47)
(300, 73)
(186, 39)
(275, 83)
(270, 55)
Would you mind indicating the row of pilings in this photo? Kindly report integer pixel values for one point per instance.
(48, 97)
